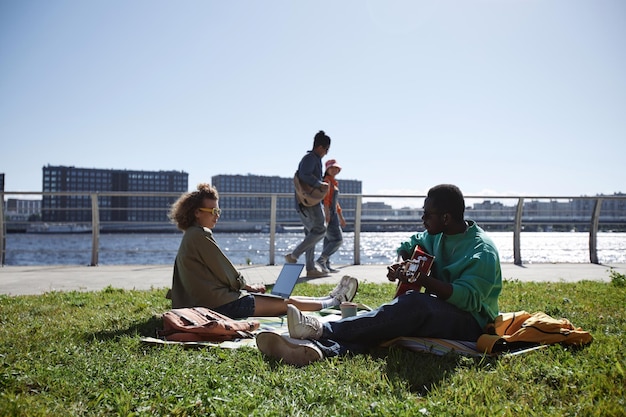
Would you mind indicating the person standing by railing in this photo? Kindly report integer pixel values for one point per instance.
(312, 217)
(334, 217)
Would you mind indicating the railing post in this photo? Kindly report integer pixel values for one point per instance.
(357, 230)
(2, 230)
(517, 254)
(273, 200)
(593, 232)
(95, 229)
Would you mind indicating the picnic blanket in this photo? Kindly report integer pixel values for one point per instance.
(273, 324)
(439, 347)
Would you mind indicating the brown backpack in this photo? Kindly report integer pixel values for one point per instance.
(200, 324)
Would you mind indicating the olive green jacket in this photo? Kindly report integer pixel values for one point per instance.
(203, 275)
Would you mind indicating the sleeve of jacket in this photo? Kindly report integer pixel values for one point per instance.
(308, 170)
(218, 263)
(407, 248)
(472, 290)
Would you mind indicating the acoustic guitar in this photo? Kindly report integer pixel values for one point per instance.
(420, 262)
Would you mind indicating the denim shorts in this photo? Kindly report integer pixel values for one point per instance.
(240, 308)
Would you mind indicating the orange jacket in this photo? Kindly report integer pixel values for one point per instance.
(333, 186)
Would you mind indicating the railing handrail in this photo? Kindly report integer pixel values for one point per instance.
(265, 194)
(517, 222)
(365, 196)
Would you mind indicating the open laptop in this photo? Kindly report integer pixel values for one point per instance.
(285, 282)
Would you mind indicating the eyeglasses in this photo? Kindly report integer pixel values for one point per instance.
(214, 211)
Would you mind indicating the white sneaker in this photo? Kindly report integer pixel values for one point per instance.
(346, 289)
(301, 326)
(342, 283)
(291, 351)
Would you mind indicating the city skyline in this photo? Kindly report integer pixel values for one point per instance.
(191, 187)
(412, 202)
(249, 195)
(126, 200)
(499, 98)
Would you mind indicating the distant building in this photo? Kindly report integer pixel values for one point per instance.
(376, 209)
(611, 209)
(257, 208)
(614, 209)
(490, 209)
(122, 208)
(19, 209)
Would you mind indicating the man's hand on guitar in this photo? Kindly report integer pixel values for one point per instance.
(393, 271)
(407, 271)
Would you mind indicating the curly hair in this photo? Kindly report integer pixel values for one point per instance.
(183, 211)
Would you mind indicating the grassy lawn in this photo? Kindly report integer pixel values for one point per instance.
(78, 353)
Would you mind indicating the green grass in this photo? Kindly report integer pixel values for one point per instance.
(78, 353)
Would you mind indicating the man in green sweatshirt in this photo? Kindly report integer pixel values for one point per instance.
(460, 298)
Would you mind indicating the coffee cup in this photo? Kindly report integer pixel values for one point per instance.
(348, 309)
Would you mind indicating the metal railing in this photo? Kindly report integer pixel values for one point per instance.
(584, 212)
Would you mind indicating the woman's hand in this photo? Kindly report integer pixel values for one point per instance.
(342, 221)
(256, 288)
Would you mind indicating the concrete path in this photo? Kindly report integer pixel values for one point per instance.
(21, 280)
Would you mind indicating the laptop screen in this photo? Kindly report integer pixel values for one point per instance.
(287, 280)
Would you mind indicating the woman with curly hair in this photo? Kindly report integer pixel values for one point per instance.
(204, 276)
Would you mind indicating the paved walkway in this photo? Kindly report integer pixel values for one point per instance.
(20, 280)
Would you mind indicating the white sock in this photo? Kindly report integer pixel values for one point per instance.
(329, 302)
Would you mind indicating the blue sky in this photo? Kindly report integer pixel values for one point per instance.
(507, 97)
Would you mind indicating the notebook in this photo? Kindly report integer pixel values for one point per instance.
(285, 282)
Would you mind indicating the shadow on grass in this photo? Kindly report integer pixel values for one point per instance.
(416, 372)
(421, 372)
(145, 328)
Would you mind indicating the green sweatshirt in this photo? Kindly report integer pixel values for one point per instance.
(470, 262)
(203, 275)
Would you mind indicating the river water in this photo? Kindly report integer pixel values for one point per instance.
(253, 248)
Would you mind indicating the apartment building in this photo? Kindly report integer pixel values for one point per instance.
(113, 207)
(256, 208)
